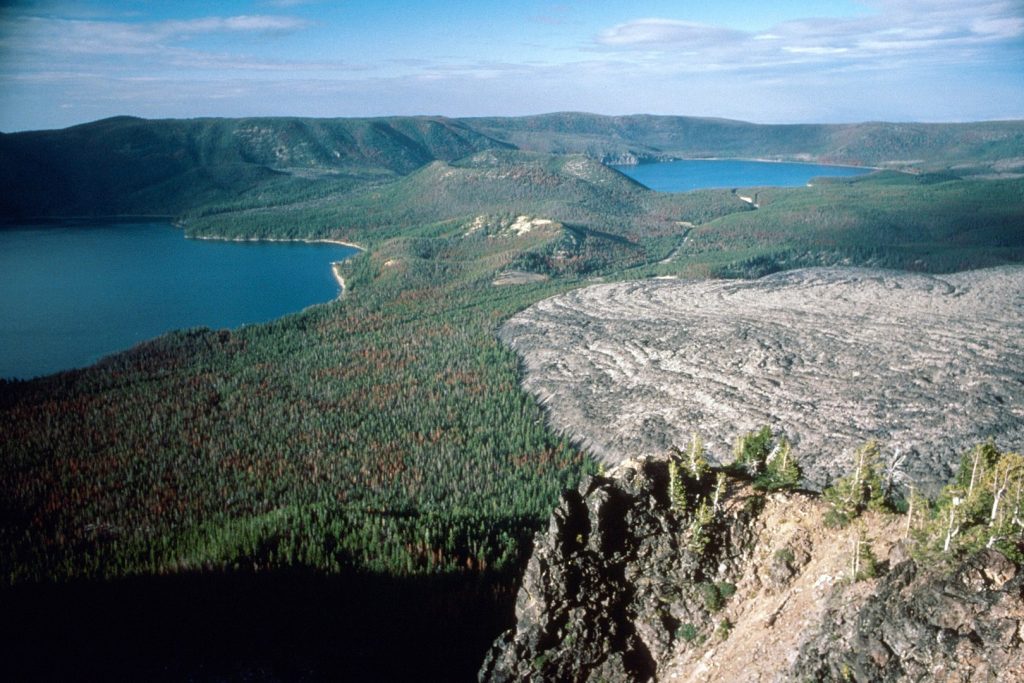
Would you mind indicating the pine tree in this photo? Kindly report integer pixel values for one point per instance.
(954, 524)
(865, 564)
(973, 481)
(983, 507)
(871, 477)
(700, 532)
(696, 461)
(739, 449)
(781, 469)
(1006, 483)
(751, 451)
(860, 490)
(720, 479)
(917, 508)
(676, 487)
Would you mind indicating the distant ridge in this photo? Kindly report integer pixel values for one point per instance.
(126, 165)
(643, 137)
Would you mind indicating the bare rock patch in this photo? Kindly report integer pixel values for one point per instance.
(518, 277)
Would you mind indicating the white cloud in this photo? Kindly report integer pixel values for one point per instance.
(662, 32)
(814, 50)
(259, 23)
(998, 27)
(924, 30)
(34, 35)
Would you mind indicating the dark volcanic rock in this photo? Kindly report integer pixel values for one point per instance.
(616, 591)
(927, 365)
(922, 626)
(612, 582)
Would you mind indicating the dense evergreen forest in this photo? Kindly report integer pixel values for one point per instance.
(384, 434)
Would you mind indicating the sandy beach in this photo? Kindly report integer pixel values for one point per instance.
(336, 269)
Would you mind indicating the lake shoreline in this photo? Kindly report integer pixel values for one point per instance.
(335, 265)
(757, 159)
(788, 161)
(305, 240)
(336, 270)
(687, 175)
(118, 300)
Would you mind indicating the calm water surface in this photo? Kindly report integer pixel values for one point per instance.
(71, 294)
(682, 176)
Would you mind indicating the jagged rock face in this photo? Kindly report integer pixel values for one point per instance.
(921, 627)
(927, 365)
(616, 592)
(613, 583)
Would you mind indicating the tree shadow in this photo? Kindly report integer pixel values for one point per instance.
(283, 626)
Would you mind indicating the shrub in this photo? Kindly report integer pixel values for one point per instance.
(713, 599)
(726, 589)
(784, 555)
(687, 632)
(724, 628)
(836, 519)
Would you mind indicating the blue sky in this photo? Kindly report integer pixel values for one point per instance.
(796, 61)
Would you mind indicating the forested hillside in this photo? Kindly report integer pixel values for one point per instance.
(919, 223)
(384, 432)
(996, 145)
(127, 165)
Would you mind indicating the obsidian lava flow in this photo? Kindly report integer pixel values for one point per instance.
(927, 365)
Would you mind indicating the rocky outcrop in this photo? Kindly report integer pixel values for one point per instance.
(613, 588)
(632, 158)
(831, 357)
(922, 626)
(617, 589)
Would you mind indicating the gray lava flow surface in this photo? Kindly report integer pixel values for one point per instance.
(928, 365)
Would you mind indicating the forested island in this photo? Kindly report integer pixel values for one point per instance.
(371, 467)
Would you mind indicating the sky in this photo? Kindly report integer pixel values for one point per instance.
(66, 62)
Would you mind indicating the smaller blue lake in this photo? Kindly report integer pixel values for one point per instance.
(698, 174)
(71, 294)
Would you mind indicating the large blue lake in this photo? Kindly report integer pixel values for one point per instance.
(71, 294)
(682, 176)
